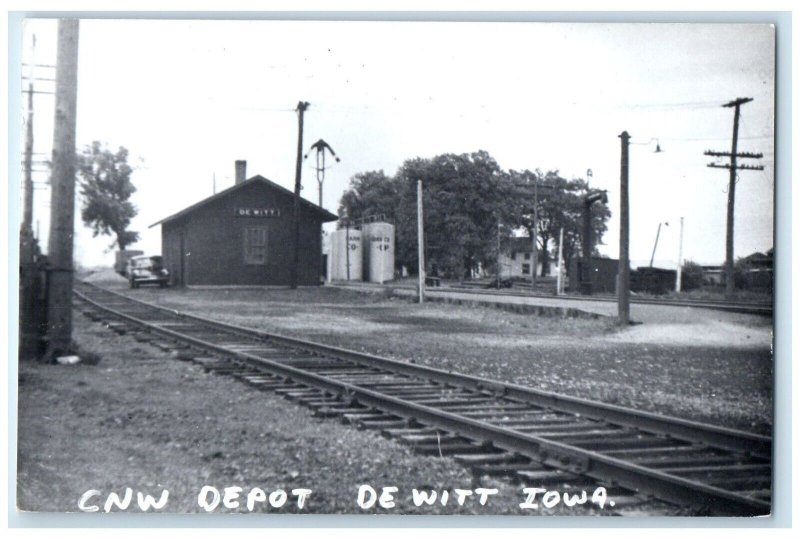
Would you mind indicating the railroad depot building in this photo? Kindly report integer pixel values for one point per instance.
(243, 236)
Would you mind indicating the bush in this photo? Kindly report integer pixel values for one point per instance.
(691, 275)
(746, 276)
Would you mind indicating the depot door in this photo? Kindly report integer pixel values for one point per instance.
(182, 265)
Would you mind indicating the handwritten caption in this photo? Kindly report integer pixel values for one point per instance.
(212, 499)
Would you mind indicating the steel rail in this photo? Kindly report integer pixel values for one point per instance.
(681, 429)
(602, 467)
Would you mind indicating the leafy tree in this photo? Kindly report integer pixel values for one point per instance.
(750, 273)
(105, 181)
(470, 204)
(468, 210)
(467, 206)
(560, 206)
(370, 193)
(467, 199)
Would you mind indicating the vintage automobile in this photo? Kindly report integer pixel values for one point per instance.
(146, 270)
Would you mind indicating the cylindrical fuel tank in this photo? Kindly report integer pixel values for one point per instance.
(378, 242)
(347, 258)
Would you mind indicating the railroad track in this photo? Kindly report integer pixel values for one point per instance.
(532, 436)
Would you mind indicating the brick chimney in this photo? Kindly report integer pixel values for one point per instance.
(241, 171)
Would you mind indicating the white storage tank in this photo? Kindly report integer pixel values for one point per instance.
(346, 263)
(378, 240)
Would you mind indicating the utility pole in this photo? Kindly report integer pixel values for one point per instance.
(534, 224)
(420, 244)
(62, 220)
(655, 245)
(27, 211)
(497, 259)
(347, 249)
(302, 106)
(680, 260)
(623, 275)
(560, 277)
(29, 326)
(733, 167)
(534, 247)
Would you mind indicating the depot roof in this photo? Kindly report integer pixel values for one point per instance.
(325, 215)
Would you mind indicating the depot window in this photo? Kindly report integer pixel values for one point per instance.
(255, 246)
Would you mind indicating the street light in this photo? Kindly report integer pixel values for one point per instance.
(658, 233)
(623, 276)
(680, 260)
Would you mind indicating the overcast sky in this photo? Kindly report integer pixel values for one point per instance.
(188, 98)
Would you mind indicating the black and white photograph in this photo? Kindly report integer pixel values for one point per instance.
(296, 266)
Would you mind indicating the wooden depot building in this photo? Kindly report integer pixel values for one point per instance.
(243, 236)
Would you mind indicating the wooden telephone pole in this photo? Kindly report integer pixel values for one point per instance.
(302, 106)
(733, 167)
(534, 247)
(420, 244)
(62, 217)
(623, 275)
(27, 210)
(534, 225)
(29, 312)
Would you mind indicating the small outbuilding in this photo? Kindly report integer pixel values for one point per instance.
(243, 236)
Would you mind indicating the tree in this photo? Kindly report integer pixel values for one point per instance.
(560, 206)
(105, 181)
(468, 202)
(467, 199)
(754, 271)
(370, 193)
(692, 275)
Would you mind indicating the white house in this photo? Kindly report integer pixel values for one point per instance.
(517, 258)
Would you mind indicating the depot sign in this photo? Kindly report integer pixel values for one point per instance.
(256, 212)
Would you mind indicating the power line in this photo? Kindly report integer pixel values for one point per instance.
(24, 64)
(702, 139)
(39, 92)
(261, 109)
(38, 78)
(685, 104)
